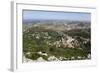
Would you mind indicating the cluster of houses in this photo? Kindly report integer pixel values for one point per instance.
(65, 42)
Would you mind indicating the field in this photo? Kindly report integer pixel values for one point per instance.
(56, 40)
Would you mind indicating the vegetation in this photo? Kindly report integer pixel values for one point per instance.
(74, 44)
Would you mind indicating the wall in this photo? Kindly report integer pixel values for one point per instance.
(5, 36)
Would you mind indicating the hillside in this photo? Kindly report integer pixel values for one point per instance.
(57, 41)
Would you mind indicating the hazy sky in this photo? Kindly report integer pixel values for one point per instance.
(43, 15)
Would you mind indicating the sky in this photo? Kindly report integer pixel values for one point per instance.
(51, 15)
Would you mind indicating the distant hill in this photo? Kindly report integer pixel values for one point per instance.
(54, 21)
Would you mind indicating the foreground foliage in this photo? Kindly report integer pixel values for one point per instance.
(74, 44)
